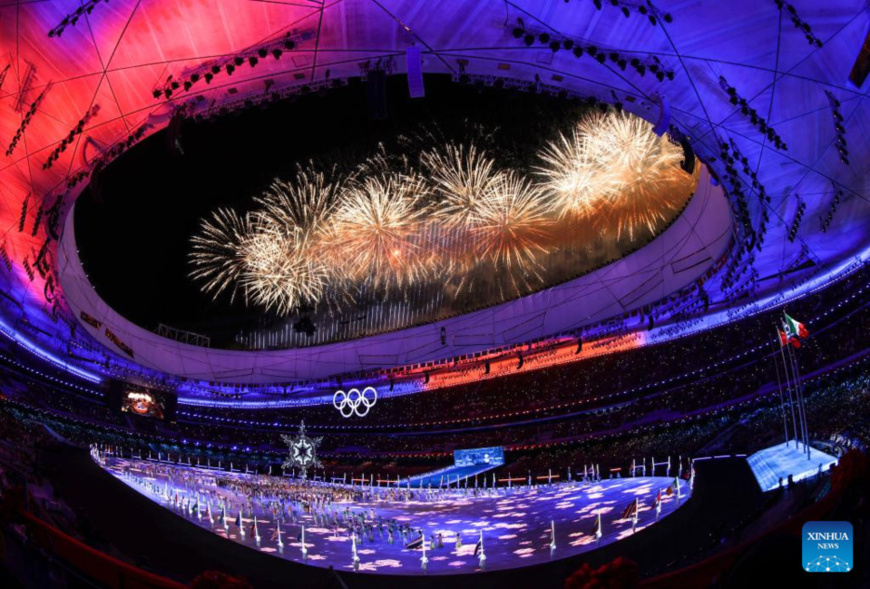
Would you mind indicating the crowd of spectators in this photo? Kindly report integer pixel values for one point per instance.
(648, 386)
(673, 398)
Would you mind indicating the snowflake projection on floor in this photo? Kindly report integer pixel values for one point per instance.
(828, 564)
(303, 451)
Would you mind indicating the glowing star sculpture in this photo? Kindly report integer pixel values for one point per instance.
(303, 451)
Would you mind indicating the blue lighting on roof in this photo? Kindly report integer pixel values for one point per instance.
(48, 357)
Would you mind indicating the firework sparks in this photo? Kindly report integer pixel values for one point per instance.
(375, 233)
(466, 222)
(624, 142)
(216, 252)
(648, 172)
(462, 178)
(303, 205)
(510, 226)
(578, 183)
(613, 167)
(279, 270)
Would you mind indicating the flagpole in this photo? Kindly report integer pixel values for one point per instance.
(800, 397)
(788, 389)
(795, 380)
(801, 407)
(796, 373)
(779, 387)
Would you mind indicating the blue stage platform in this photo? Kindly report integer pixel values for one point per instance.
(771, 464)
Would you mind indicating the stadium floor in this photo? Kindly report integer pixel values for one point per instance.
(515, 523)
(725, 491)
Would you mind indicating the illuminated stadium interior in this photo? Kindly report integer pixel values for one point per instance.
(389, 293)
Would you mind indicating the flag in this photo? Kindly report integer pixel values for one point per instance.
(795, 328)
(629, 510)
(669, 491)
(415, 544)
(479, 546)
(786, 339)
(658, 499)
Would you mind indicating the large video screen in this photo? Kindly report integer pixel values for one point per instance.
(479, 456)
(144, 402)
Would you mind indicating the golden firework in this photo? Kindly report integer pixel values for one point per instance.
(615, 169)
(463, 222)
(511, 224)
(375, 233)
(578, 184)
(216, 252)
(303, 205)
(462, 178)
(279, 271)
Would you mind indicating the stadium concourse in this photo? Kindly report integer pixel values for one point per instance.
(394, 293)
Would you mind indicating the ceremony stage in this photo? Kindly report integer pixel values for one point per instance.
(515, 522)
(778, 462)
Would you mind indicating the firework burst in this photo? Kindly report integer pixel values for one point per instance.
(461, 223)
(217, 254)
(303, 205)
(578, 184)
(624, 142)
(375, 234)
(279, 271)
(463, 178)
(510, 226)
(647, 168)
(615, 169)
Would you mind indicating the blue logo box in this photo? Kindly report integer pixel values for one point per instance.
(827, 547)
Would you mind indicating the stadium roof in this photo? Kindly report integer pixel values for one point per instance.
(84, 81)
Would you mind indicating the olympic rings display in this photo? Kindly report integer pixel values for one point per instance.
(349, 403)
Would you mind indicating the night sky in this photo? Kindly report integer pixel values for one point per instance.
(133, 236)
